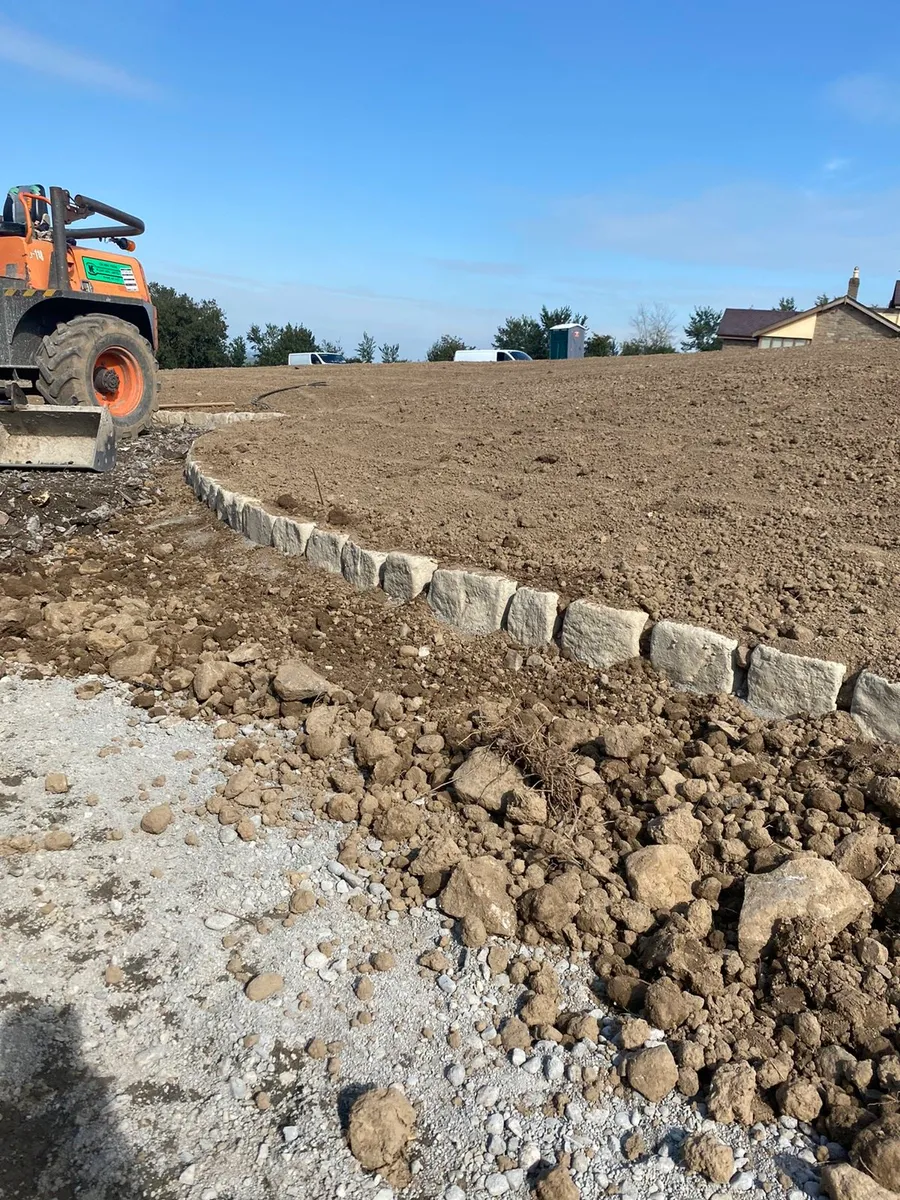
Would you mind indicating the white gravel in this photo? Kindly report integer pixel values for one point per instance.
(149, 1086)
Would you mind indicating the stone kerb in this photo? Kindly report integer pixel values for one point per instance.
(600, 636)
(362, 568)
(290, 536)
(325, 549)
(876, 707)
(473, 601)
(484, 602)
(692, 657)
(406, 576)
(205, 422)
(532, 617)
(782, 685)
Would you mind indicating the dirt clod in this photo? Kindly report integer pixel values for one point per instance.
(381, 1127)
(261, 987)
(707, 1156)
(157, 819)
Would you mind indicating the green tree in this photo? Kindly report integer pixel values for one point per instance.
(702, 330)
(522, 333)
(600, 345)
(445, 347)
(237, 352)
(390, 353)
(787, 304)
(365, 351)
(330, 347)
(192, 333)
(533, 335)
(822, 299)
(272, 345)
(560, 316)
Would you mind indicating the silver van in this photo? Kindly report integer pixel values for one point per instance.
(314, 358)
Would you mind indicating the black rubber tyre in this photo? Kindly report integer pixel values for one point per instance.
(69, 357)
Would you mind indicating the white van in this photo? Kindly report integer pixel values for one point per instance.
(491, 356)
(316, 358)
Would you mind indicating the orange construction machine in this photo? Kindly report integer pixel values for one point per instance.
(77, 333)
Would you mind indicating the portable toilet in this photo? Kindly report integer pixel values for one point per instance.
(567, 341)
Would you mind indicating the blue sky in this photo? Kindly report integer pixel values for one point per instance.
(422, 168)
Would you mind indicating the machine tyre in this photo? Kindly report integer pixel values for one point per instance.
(103, 361)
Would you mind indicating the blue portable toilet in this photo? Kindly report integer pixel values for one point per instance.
(567, 341)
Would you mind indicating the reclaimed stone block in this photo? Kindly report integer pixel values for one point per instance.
(219, 499)
(600, 636)
(784, 685)
(531, 620)
(694, 658)
(361, 567)
(473, 601)
(227, 508)
(876, 707)
(257, 523)
(406, 576)
(324, 549)
(168, 420)
(290, 536)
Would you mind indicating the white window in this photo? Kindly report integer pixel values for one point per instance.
(779, 343)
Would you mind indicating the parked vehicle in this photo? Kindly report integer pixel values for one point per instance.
(315, 358)
(491, 356)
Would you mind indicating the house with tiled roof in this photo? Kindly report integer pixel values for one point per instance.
(844, 319)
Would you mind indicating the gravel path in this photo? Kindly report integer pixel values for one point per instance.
(133, 1064)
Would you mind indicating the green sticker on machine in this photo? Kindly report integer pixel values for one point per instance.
(101, 270)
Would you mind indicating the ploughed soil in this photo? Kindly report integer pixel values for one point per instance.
(752, 493)
(731, 883)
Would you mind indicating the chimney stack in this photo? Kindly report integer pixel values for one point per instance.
(853, 285)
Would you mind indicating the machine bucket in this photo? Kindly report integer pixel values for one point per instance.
(46, 437)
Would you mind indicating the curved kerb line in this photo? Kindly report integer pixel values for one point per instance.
(474, 601)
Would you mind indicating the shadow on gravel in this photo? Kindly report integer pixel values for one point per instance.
(347, 1097)
(56, 1138)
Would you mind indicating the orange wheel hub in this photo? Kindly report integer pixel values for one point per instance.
(118, 383)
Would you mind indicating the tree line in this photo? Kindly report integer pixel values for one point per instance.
(194, 333)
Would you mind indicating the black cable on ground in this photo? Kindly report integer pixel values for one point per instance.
(258, 401)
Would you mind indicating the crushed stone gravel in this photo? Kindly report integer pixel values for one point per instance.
(132, 1063)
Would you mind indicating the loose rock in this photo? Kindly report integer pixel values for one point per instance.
(261, 987)
(157, 819)
(807, 887)
(653, 1072)
(707, 1156)
(381, 1127)
(478, 888)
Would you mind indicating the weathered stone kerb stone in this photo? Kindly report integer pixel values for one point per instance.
(784, 685)
(531, 620)
(325, 549)
(290, 536)
(472, 601)
(693, 658)
(257, 523)
(601, 636)
(406, 576)
(876, 707)
(361, 567)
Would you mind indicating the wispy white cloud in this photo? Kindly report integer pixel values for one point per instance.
(43, 57)
(337, 313)
(754, 225)
(833, 165)
(867, 97)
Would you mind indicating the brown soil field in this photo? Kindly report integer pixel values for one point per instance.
(752, 493)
